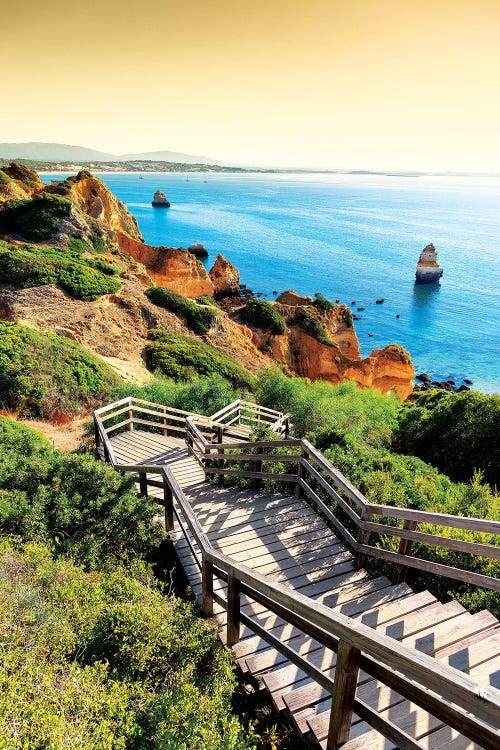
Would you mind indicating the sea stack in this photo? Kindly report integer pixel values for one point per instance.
(198, 249)
(160, 200)
(428, 269)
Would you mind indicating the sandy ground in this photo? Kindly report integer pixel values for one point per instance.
(64, 437)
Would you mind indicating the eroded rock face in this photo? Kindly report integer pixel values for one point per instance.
(428, 269)
(169, 266)
(224, 277)
(386, 369)
(97, 201)
(22, 182)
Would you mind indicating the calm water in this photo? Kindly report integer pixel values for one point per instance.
(352, 238)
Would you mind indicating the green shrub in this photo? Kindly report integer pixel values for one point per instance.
(77, 505)
(205, 395)
(311, 325)
(198, 317)
(184, 358)
(4, 178)
(206, 300)
(41, 374)
(34, 266)
(458, 433)
(262, 314)
(111, 663)
(322, 303)
(36, 219)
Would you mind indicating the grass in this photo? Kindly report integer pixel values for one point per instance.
(83, 278)
(42, 374)
(262, 314)
(183, 358)
(199, 317)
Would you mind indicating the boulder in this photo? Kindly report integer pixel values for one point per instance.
(224, 277)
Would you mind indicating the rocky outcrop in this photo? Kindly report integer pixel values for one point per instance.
(172, 267)
(337, 358)
(292, 299)
(96, 201)
(198, 249)
(160, 200)
(224, 277)
(17, 181)
(428, 269)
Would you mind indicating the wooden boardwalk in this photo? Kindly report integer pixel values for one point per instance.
(282, 537)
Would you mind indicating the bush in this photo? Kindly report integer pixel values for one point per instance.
(78, 505)
(198, 317)
(262, 314)
(311, 325)
(35, 219)
(33, 266)
(322, 303)
(458, 433)
(41, 374)
(206, 395)
(184, 358)
(111, 663)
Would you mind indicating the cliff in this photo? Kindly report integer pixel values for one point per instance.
(172, 267)
(18, 182)
(335, 356)
(224, 277)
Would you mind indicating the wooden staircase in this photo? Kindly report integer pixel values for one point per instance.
(346, 655)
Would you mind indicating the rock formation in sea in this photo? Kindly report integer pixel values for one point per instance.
(428, 269)
(225, 277)
(160, 200)
(198, 249)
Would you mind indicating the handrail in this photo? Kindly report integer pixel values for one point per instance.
(452, 696)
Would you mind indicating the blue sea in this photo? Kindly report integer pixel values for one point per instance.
(354, 238)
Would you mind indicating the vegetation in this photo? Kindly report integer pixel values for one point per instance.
(458, 433)
(184, 358)
(206, 300)
(83, 278)
(36, 219)
(42, 374)
(355, 429)
(311, 325)
(262, 314)
(199, 317)
(322, 303)
(204, 395)
(94, 654)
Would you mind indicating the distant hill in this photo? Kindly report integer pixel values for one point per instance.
(62, 152)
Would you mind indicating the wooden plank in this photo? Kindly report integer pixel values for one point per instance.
(438, 519)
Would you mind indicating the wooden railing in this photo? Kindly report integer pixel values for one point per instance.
(313, 477)
(451, 696)
(250, 415)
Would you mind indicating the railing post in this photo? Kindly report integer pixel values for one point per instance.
(169, 505)
(164, 421)
(143, 483)
(363, 538)
(301, 474)
(97, 438)
(206, 461)
(233, 611)
(220, 451)
(287, 428)
(405, 545)
(207, 587)
(130, 416)
(344, 692)
(258, 467)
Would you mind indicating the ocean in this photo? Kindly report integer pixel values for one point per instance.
(353, 238)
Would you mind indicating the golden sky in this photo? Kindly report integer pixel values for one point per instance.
(322, 83)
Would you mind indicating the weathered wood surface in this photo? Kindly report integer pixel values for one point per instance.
(283, 537)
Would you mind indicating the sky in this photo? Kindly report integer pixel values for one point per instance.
(338, 84)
